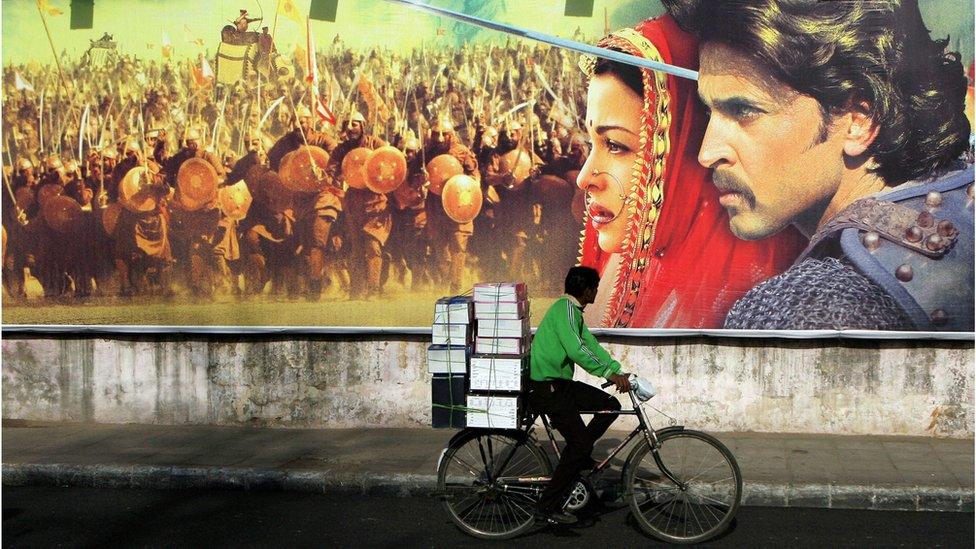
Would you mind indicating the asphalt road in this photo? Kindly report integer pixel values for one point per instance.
(99, 517)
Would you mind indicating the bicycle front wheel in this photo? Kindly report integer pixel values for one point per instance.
(490, 482)
(703, 502)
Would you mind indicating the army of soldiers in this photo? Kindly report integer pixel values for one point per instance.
(186, 191)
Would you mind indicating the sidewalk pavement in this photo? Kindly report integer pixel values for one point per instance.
(790, 470)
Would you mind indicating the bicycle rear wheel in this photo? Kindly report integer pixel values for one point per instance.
(705, 502)
(490, 481)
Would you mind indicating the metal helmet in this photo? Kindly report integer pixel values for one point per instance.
(24, 164)
(443, 124)
(110, 152)
(131, 145)
(53, 162)
(511, 124)
(357, 116)
(192, 134)
(411, 143)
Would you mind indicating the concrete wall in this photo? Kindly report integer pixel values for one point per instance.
(720, 384)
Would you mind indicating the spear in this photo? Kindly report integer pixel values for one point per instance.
(40, 123)
(81, 133)
(20, 212)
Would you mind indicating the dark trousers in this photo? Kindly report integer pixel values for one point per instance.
(562, 401)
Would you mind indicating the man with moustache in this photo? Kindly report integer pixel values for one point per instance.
(846, 120)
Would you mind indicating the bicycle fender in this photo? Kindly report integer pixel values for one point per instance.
(643, 441)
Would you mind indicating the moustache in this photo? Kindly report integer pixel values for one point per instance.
(730, 183)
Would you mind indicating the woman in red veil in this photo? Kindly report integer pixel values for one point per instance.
(654, 227)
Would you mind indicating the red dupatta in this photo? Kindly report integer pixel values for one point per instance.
(681, 266)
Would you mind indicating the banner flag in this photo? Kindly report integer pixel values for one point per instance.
(324, 10)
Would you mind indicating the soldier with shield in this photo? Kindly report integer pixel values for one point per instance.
(300, 158)
(15, 220)
(510, 167)
(448, 238)
(408, 240)
(142, 250)
(194, 216)
(367, 222)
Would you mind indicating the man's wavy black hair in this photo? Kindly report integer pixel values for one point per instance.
(843, 52)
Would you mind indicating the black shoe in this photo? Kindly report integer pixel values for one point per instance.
(554, 517)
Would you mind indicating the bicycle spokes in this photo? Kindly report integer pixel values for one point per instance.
(491, 482)
(705, 496)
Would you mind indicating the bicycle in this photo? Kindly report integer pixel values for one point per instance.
(489, 480)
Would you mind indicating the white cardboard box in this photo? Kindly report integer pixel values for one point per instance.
(501, 291)
(501, 345)
(454, 310)
(451, 334)
(444, 359)
(501, 412)
(512, 310)
(492, 373)
(503, 327)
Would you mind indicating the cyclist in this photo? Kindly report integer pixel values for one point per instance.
(561, 341)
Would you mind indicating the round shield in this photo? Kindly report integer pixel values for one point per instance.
(353, 172)
(462, 198)
(550, 189)
(518, 164)
(110, 217)
(297, 171)
(25, 197)
(134, 192)
(48, 190)
(386, 168)
(234, 201)
(197, 184)
(440, 169)
(62, 214)
(579, 205)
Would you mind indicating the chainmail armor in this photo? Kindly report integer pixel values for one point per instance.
(817, 294)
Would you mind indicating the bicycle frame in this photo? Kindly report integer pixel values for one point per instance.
(644, 426)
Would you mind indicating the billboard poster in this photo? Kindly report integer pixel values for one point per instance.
(754, 165)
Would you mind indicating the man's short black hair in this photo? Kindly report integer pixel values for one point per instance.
(580, 279)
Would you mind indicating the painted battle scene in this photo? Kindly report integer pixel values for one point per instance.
(338, 163)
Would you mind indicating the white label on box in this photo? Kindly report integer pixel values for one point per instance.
(496, 374)
(493, 411)
(503, 291)
(509, 310)
(442, 359)
(453, 311)
(450, 334)
(502, 327)
(501, 346)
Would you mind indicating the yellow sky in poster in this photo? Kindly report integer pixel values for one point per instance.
(361, 23)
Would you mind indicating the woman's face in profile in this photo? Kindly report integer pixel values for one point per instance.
(613, 124)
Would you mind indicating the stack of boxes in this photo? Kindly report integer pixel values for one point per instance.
(501, 355)
(448, 359)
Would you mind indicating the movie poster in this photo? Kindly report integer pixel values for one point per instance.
(749, 165)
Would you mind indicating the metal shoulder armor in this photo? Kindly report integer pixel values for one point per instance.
(916, 243)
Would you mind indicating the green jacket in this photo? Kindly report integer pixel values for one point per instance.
(562, 340)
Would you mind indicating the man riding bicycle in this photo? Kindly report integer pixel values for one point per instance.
(561, 341)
